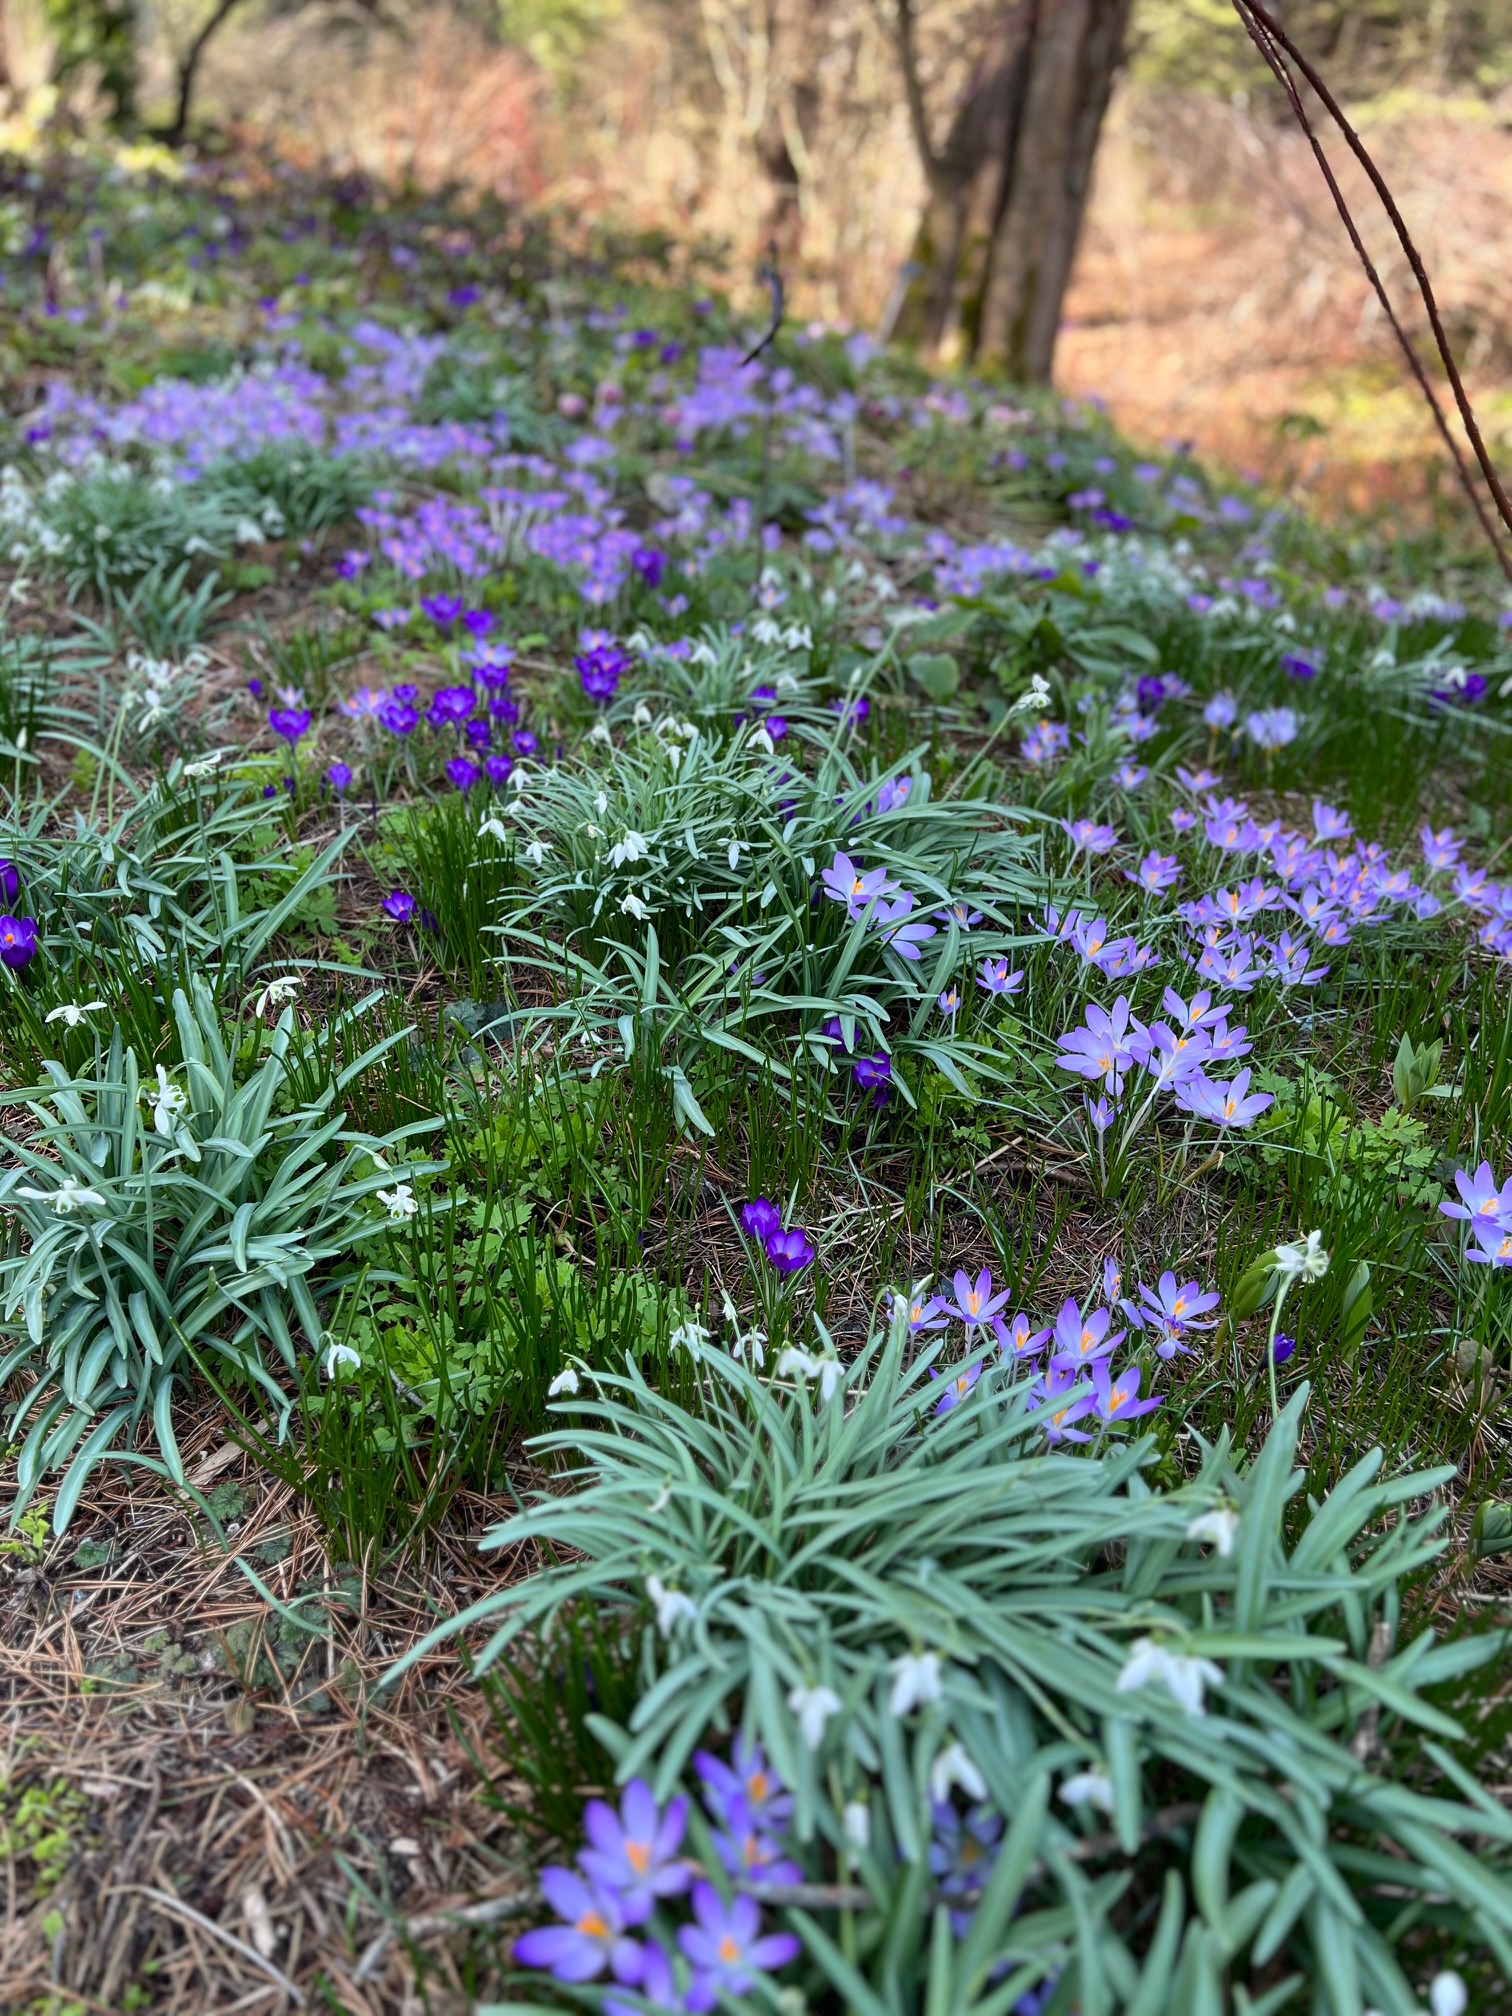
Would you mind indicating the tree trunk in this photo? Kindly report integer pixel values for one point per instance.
(1009, 190)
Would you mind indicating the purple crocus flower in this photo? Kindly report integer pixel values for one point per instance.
(747, 1778)
(726, 1946)
(1282, 1348)
(633, 1853)
(845, 881)
(874, 1074)
(1271, 728)
(760, 1218)
(1296, 666)
(1226, 1105)
(924, 1316)
(1057, 1390)
(10, 881)
(1156, 871)
(399, 905)
(600, 668)
(1484, 1202)
(1087, 833)
(399, 717)
(1170, 1311)
(18, 942)
(957, 1387)
(451, 704)
(748, 1853)
(1329, 823)
(995, 978)
(1077, 1339)
(478, 622)
(790, 1252)
(443, 610)
(591, 1938)
(1495, 1243)
(1150, 694)
(463, 773)
(1440, 850)
(900, 930)
(1019, 1339)
(525, 744)
(1107, 1046)
(649, 564)
(975, 1302)
(654, 1983)
(1116, 1397)
(339, 777)
(290, 723)
(959, 913)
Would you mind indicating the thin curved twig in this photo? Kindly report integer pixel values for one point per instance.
(768, 274)
(1273, 42)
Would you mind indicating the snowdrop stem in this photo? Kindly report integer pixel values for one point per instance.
(1270, 1350)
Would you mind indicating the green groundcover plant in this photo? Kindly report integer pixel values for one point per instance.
(1049, 1734)
(158, 1217)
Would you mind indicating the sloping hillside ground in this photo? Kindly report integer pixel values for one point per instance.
(921, 989)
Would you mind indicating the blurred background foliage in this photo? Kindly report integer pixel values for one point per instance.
(1212, 297)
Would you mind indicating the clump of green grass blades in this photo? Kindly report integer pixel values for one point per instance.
(1283, 1801)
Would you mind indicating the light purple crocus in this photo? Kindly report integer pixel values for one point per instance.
(1115, 1396)
(591, 1938)
(1107, 1047)
(747, 1777)
(845, 881)
(975, 1302)
(1156, 873)
(726, 1946)
(995, 978)
(1088, 834)
(1484, 1202)
(1226, 1105)
(633, 1853)
(1078, 1339)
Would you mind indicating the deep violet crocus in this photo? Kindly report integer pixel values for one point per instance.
(760, 1218)
(791, 1251)
(399, 905)
(290, 724)
(18, 942)
(10, 881)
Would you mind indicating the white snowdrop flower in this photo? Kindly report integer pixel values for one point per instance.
(632, 847)
(1220, 1525)
(564, 1382)
(813, 1707)
(690, 1336)
(674, 758)
(1183, 1673)
(632, 906)
(952, 1768)
(690, 841)
(69, 1196)
(801, 1365)
(1447, 1994)
(167, 1102)
(340, 1354)
(493, 829)
(672, 1607)
(400, 1202)
(536, 852)
(1092, 1787)
(734, 854)
(601, 804)
(916, 1680)
(277, 993)
(599, 732)
(762, 741)
(1036, 699)
(765, 631)
(662, 1499)
(206, 766)
(73, 1012)
(1302, 1259)
(883, 588)
(855, 1818)
(642, 715)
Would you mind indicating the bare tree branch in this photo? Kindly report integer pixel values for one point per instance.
(1273, 42)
